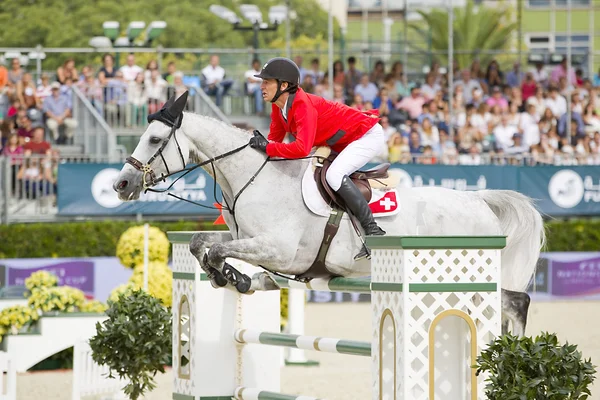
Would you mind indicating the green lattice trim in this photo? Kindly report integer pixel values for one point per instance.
(180, 237)
(436, 242)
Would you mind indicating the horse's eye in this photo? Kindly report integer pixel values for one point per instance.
(155, 140)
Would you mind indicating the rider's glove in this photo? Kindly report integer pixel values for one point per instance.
(259, 142)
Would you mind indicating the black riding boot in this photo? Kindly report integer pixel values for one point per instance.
(358, 206)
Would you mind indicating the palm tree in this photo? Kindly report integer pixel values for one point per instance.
(476, 30)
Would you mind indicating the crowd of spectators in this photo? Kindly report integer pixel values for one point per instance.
(520, 116)
(515, 116)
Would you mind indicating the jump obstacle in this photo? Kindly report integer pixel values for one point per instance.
(435, 305)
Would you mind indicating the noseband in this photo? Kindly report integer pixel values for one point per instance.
(149, 178)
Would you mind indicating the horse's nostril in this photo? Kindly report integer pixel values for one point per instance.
(122, 185)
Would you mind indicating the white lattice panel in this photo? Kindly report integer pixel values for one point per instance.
(183, 260)
(453, 266)
(183, 287)
(416, 307)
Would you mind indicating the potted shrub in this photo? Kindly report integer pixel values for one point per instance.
(523, 368)
(134, 341)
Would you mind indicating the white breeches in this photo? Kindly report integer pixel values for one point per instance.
(355, 156)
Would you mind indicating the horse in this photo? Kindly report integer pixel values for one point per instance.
(271, 226)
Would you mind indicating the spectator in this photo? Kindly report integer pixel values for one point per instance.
(430, 135)
(383, 102)
(299, 60)
(540, 75)
(430, 88)
(107, 71)
(67, 70)
(26, 92)
(577, 125)
(152, 65)
(215, 83)
(130, 70)
(497, 99)
(16, 73)
(517, 147)
(556, 103)
(351, 77)
(378, 73)
(493, 76)
(156, 91)
(14, 151)
(503, 133)
(412, 104)
(314, 71)
(467, 84)
(415, 146)
(560, 71)
(339, 76)
(37, 145)
(515, 76)
(590, 119)
(116, 100)
(43, 90)
(338, 94)
(468, 136)
(25, 131)
(138, 100)
(529, 126)
(366, 89)
(58, 114)
(528, 87)
(171, 69)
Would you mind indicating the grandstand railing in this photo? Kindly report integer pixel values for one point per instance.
(93, 133)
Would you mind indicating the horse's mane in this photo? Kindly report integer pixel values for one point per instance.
(239, 132)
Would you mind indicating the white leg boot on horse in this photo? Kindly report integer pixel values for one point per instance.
(359, 207)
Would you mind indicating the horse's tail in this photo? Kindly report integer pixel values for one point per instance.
(523, 226)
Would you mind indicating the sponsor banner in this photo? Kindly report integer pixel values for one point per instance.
(95, 276)
(86, 189)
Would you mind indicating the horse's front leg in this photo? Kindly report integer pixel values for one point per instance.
(199, 243)
(255, 251)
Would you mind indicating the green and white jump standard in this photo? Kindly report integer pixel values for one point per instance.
(435, 305)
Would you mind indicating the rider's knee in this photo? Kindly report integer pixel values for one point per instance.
(334, 178)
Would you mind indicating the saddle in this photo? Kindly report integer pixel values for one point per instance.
(364, 180)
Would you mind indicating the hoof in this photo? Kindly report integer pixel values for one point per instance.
(217, 280)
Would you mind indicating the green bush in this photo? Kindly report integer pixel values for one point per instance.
(77, 239)
(99, 238)
(531, 369)
(135, 341)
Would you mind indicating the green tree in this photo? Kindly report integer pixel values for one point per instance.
(71, 23)
(476, 30)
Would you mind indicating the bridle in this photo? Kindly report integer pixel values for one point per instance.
(149, 178)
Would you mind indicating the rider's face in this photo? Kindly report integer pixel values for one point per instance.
(269, 88)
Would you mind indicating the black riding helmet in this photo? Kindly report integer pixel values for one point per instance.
(283, 70)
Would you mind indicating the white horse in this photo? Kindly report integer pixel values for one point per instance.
(270, 225)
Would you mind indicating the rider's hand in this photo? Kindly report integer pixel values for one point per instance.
(259, 142)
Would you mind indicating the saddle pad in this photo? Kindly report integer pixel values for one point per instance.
(384, 203)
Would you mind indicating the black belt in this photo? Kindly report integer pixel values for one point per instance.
(336, 137)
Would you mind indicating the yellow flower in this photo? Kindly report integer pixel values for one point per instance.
(130, 247)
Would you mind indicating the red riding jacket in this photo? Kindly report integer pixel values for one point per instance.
(314, 121)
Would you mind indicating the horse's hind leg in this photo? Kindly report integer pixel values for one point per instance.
(515, 306)
(199, 243)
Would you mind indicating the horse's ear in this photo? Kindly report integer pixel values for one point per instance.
(169, 102)
(177, 108)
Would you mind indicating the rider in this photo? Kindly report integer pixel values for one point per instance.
(314, 121)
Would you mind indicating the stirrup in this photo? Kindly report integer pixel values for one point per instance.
(364, 252)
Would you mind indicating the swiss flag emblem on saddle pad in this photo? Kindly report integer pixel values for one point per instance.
(384, 203)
